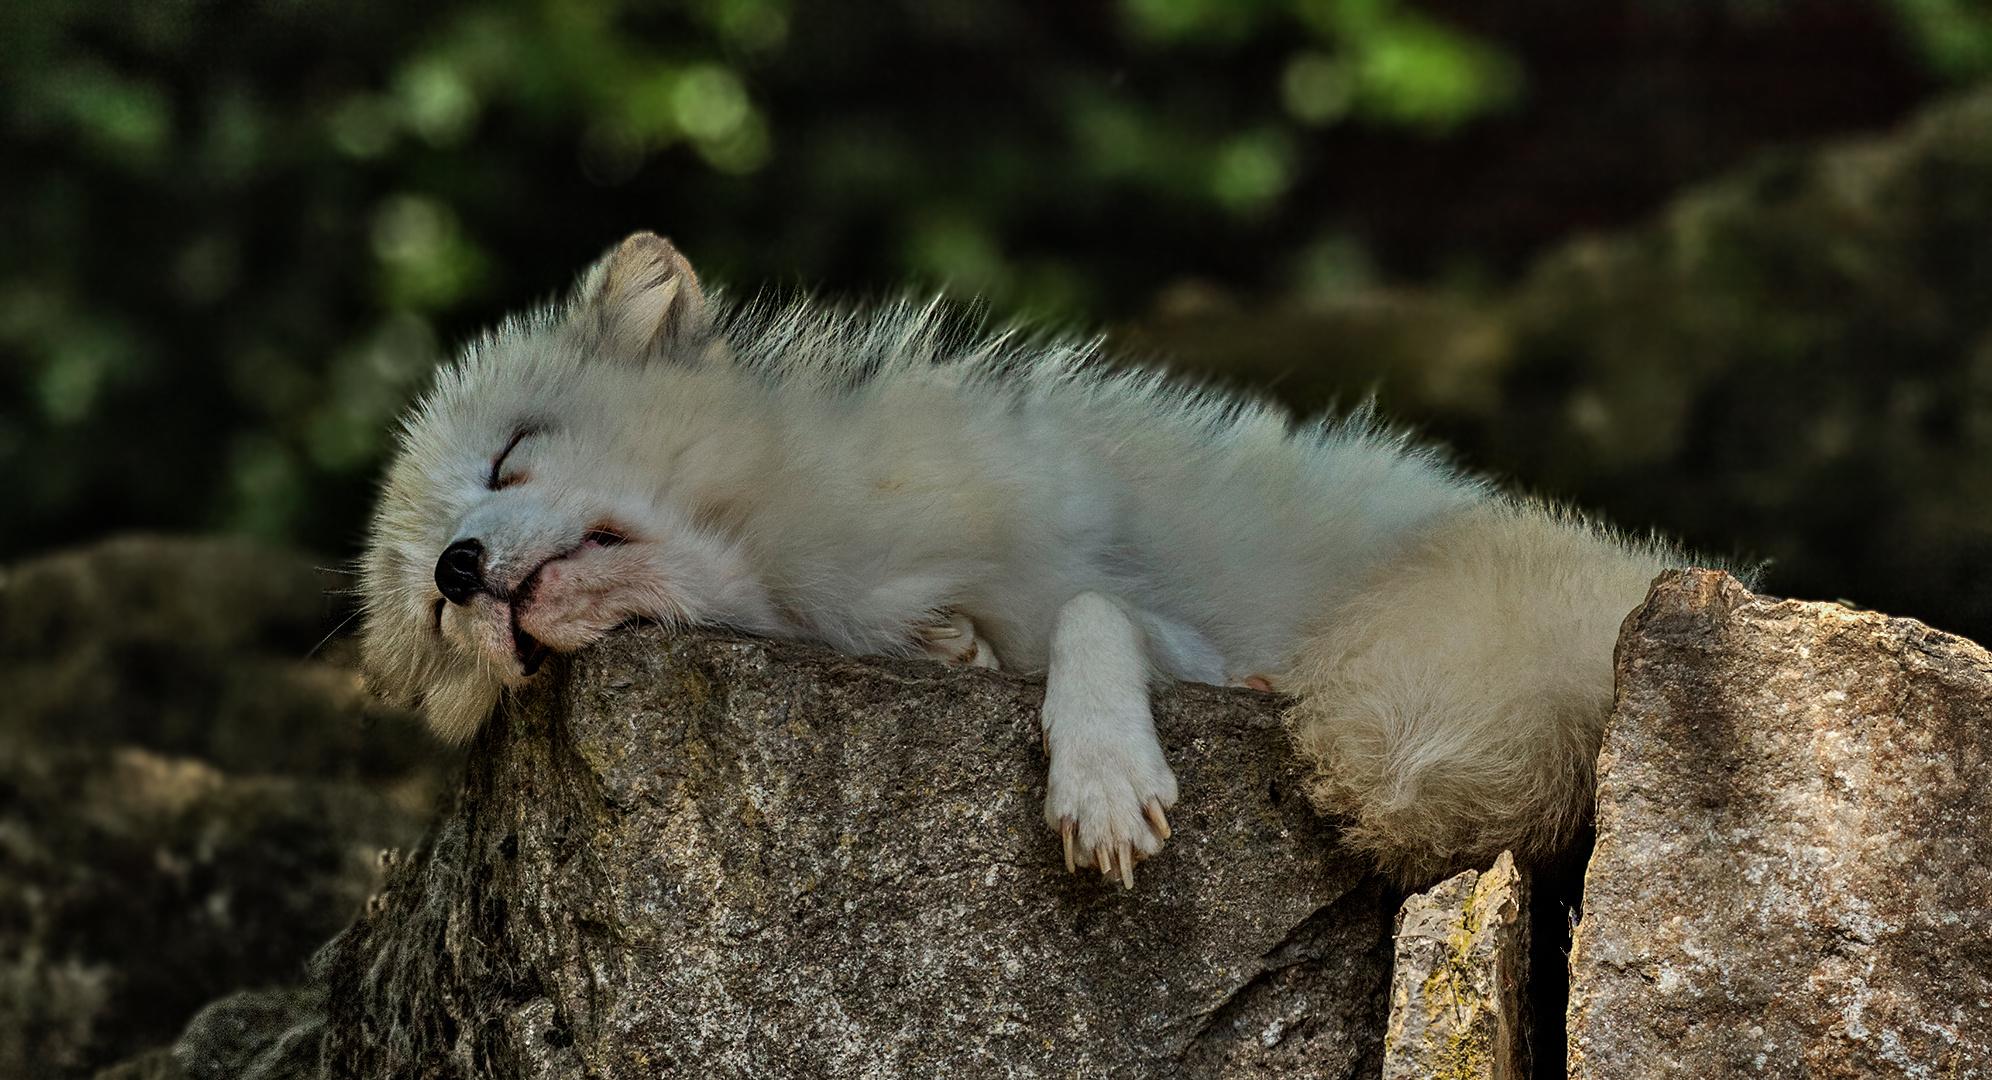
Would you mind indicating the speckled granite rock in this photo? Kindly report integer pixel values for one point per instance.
(1457, 994)
(1793, 875)
(704, 856)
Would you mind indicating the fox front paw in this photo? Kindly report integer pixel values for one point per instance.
(1107, 803)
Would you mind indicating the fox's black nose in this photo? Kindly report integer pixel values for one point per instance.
(460, 572)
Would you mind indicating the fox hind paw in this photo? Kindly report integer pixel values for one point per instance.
(952, 639)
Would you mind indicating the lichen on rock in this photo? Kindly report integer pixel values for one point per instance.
(1458, 992)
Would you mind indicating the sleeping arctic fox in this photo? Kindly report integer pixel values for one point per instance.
(869, 483)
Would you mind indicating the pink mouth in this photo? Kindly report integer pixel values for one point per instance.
(527, 649)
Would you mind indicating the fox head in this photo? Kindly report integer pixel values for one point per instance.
(556, 482)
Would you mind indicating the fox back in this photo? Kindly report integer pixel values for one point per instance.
(839, 476)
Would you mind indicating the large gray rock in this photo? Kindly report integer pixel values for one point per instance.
(1458, 993)
(1793, 875)
(703, 856)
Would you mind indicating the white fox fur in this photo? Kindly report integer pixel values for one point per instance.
(871, 483)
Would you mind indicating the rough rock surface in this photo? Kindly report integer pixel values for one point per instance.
(714, 857)
(1793, 875)
(189, 804)
(1457, 992)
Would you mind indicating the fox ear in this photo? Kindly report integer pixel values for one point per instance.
(643, 298)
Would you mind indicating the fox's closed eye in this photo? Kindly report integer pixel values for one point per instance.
(498, 481)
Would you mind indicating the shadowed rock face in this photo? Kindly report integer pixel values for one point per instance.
(705, 856)
(214, 648)
(1793, 875)
(190, 802)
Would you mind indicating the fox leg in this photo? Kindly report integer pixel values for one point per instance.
(1109, 782)
(951, 639)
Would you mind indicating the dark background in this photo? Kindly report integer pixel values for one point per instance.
(236, 236)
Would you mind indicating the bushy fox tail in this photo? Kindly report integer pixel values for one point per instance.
(1455, 706)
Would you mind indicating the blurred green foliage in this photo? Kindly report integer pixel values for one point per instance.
(235, 235)
(1954, 37)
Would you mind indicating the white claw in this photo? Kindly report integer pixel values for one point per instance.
(1108, 775)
